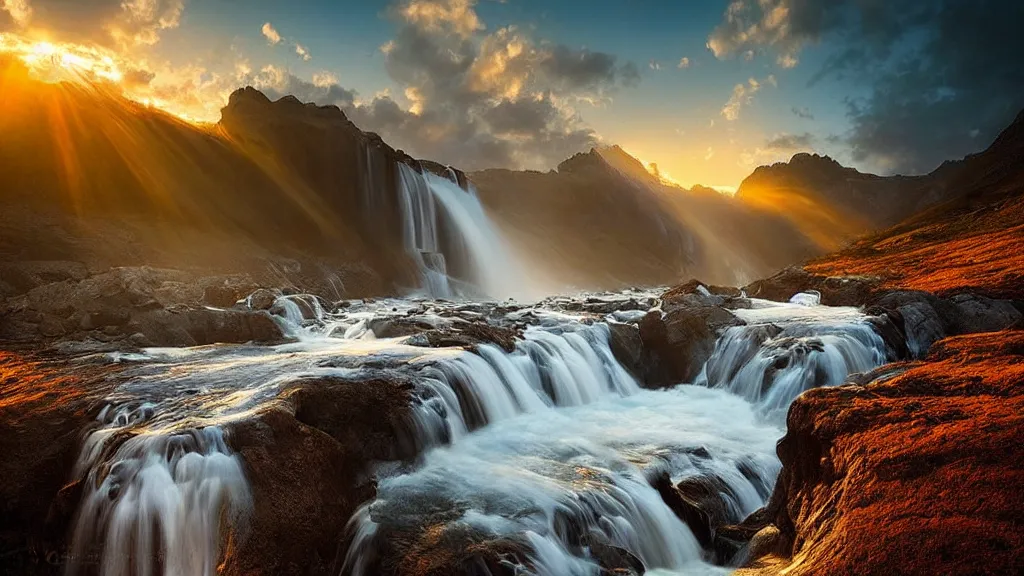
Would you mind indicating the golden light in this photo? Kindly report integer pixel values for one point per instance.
(91, 66)
(56, 62)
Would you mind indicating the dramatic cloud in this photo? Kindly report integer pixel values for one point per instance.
(121, 23)
(743, 95)
(790, 142)
(802, 113)
(270, 33)
(944, 76)
(472, 97)
(684, 62)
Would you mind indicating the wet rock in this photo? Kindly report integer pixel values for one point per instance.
(467, 335)
(699, 501)
(262, 299)
(628, 347)
(398, 327)
(835, 290)
(308, 463)
(678, 345)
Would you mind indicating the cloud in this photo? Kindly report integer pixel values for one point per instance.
(684, 62)
(802, 113)
(934, 70)
(484, 98)
(303, 52)
(743, 95)
(654, 65)
(19, 10)
(790, 142)
(113, 23)
(270, 33)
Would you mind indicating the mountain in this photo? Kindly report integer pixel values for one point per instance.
(969, 241)
(274, 189)
(601, 219)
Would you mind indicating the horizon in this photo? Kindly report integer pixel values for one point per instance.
(707, 94)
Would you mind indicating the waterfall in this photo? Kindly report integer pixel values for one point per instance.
(545, 370)
(453, 243)
(155, 505)
(785, 349)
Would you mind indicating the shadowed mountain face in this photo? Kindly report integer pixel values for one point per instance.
(603, 220)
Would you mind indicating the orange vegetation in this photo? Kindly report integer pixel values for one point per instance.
(976, 248)
(919, 474)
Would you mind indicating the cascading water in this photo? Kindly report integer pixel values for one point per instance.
(451, 239)
(551, 446)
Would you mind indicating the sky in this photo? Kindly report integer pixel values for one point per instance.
(706, 90)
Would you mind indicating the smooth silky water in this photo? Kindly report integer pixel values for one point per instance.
(516, 445)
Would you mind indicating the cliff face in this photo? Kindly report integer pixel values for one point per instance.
(92, 178)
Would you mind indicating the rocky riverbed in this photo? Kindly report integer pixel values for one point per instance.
(599, 433)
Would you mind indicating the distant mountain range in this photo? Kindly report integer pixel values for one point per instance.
(282, 187)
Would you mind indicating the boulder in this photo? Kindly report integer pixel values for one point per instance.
(980, 314)
(467, 335)
(201, 326)
(677, 345)
(308, 461)
(700, 502)
(835, 290)
(262, 299)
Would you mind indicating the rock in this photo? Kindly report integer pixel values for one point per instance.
(307, 481)
(398, 327)
(628, 347)
(262, 299)
(835, 290)
(924, 448)
(467, 335)
(51, 327)
(224, 295)
(699, 501)
(980, 314)
(42, 417)
(201, 326)
(24, 276)
(678, 345)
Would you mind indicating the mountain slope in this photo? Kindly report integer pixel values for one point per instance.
(603, 220)
(972, 241)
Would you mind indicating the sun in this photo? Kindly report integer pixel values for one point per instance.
(53, 62)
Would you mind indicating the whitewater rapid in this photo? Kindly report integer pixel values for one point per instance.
(553, 445)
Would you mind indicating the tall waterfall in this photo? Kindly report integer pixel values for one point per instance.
(456, 248)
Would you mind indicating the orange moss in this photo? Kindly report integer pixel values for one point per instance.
(980, 250)
(920, 474)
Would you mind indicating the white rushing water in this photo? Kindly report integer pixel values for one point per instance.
(453, 242)
(553, 445)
